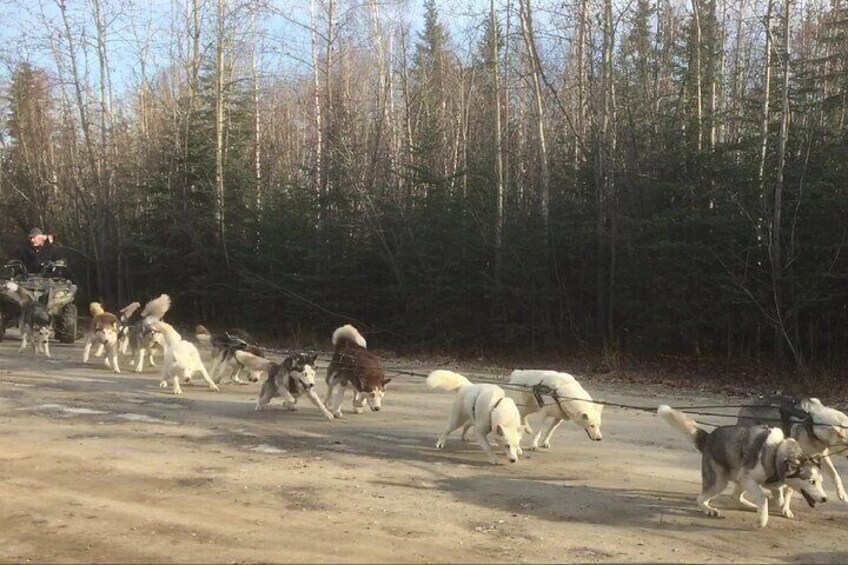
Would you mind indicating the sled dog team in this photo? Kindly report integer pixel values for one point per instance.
(756, 455)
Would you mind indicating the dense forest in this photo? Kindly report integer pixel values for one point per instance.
(641, 176)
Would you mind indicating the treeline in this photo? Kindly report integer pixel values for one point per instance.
(642, 177)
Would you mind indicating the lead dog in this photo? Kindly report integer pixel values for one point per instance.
(34, 323)
(291, 379)
(572, 402)
(756, 458)
(182, 359)
(484, 407)
(816, 427)
(355, 367)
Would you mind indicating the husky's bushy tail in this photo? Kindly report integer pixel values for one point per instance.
(684, 424)
(96, 309)
(128, 310)
(157, 308)
(446, 380)
(347, 335)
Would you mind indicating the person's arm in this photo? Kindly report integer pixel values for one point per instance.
(56, 253)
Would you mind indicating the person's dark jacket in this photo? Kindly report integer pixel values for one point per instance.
(35, 258)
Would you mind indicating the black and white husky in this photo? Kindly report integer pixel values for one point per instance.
(35, 324)
(291, 379)
(756, 458)
(224, 347)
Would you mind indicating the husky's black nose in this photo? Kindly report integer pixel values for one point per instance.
(513, 460)
(375, 408)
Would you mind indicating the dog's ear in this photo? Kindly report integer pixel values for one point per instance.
(313, 359)
(288, 364)
(499, 429)
(788, 467)
(386, 380)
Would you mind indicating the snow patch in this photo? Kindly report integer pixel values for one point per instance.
(265, 448)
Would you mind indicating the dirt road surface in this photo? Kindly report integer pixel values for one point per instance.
(99, 467)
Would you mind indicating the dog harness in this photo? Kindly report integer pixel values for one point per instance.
(474, 406)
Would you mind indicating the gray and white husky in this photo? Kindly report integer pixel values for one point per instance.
(756, 458)
(291, 379)
(816, 427)
(140, 336)
(34, 323)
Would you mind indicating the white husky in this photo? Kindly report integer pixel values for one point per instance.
(574, 403)
(483, 406)
(182, 359)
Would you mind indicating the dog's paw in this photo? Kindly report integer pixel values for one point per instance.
(711, 512)
(358, 410)
(787, 513)
(842, 496)
(178, 391)
(214, 387)
(493, 460)
(163, 384)
(338, 414)
(546, 445)
(519, 451)
(440, 444)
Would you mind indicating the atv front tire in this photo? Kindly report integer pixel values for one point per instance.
(66, 324)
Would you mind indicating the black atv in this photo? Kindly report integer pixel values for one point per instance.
(52, 287)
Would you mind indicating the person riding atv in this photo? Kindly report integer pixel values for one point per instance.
(38, 250)
(41, 270)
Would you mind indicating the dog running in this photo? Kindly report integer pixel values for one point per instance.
(224, 347)
(34, 323)
(291, 379)
(756, 458)
(140, 337)
(484, 407)
(572, 402)
(103, 331)
(353, 366)
(817, 428)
